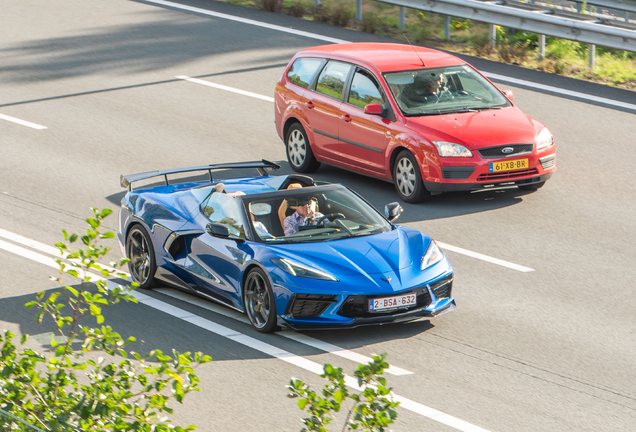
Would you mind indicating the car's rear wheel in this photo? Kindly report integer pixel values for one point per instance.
(259, 301)
(533, 186)
(408, 179)
(139, 250)
(299, 154)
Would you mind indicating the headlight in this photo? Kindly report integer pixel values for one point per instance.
(447, 149)
(432, 256)
(544, 139)
(297, 269)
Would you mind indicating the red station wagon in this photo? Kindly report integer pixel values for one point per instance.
(423, 119)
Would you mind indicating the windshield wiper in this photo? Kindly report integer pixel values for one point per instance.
(497, 107)
(451, 111)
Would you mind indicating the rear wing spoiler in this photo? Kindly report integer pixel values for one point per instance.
(126, 181)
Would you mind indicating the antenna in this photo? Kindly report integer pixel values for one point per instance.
(418, 56)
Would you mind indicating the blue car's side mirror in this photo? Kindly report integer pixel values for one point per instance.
(218, 230)
(393, 211)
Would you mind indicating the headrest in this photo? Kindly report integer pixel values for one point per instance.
(294, 202)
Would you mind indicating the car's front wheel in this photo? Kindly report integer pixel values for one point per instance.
(299, 154)
(408, 179)
(139, 250)
(259, 301)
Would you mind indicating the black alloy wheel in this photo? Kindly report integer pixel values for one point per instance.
(299, 154)
(142, 264)
(259, 301)
(408, 179)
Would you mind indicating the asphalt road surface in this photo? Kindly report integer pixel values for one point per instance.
(89, 91)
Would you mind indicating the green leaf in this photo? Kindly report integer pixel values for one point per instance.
(338, 396)
(302, 403)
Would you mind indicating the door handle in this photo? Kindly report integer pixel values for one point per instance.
(310, 104)
(346, 118)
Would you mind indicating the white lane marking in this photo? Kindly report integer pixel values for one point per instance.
(26, 253)
(247, 21)
(529, 84)
(334, 349)
(298, 337)
(258, 345)
(484, 257)
(226, 88)
(584, 96)
(301, 362)
(21, 122)
(204, 304)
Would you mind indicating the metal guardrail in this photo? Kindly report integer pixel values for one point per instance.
(619, 5)
(534, 18)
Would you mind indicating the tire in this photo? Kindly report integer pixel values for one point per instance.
(299, 154)
(532, 187)
(259, 301)
(139, 250)
(408, 179)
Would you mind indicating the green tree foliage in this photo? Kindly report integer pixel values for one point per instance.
(371, 410)
(100, 385)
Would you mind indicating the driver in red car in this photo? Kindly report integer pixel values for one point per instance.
(304, 215)
(423, 90)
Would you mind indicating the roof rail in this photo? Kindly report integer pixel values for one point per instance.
(261, 166)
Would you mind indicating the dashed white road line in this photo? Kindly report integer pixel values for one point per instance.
(484, 257)
(226, 88)
(21, 122)
(551, 89)
(250, 342)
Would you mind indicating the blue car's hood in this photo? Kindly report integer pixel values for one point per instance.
(374, 254)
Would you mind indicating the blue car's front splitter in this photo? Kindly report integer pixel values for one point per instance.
(441, 308)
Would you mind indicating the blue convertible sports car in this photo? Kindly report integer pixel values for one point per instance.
(225, 239)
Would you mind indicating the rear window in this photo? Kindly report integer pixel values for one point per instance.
(303, 71)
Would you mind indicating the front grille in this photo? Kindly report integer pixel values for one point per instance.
(443, 287)
(457, 172)
(506, 175)
(310, 305)
(548, 162)
(358, 306)
(496, 152)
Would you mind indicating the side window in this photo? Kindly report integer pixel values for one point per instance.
(303, 71)
(332, 79)
(365, 91)
(224, 209)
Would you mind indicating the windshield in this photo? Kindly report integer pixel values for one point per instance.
(312, 214)
(445, 90)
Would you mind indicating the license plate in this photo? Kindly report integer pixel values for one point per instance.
(392, 302)
(510, 165)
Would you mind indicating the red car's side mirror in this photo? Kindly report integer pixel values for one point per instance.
(509, 94)
(374, 109)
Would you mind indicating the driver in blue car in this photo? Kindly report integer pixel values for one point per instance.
(305, 214)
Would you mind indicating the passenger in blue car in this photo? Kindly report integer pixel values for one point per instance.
(304, 215)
